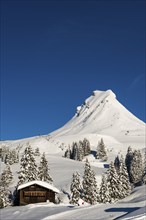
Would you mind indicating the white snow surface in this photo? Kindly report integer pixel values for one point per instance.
(101, 116)
(40, 183)
(133, 207)
(101, 113)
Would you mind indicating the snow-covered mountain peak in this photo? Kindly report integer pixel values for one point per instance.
(100, 116)
(102, 113)
(94, 100)
(107, 93)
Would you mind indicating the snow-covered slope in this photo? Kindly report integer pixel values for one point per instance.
(101, 116)
(133, 207)
(101, 113)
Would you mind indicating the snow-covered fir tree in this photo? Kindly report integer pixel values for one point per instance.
(125, 186)
(94, 189)
(75, 188)
(117, 163)
(86, 146)
(101, 151)
(7, 158)
(4, 197)
(104, 194)
(89, 185)
(6, 177)
(128, 161)
(2, 155)
(44, 171)
(113, 183)
(4, 152)
(14, 156)
(136, 169)
(74, 151)
(11, 158)
(80, 151)
(28, 167)
(5, 180)
(86, 182)
(68, 153)
(17, 160)
(37, 152)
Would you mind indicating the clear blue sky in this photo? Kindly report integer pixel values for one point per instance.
(55, 53)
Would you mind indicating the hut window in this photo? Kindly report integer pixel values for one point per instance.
(34, 193)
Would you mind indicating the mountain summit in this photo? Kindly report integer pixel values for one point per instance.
(102, 113)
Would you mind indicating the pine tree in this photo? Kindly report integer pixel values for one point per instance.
(80, 151)
(86, 182)
(5, 180)
(104, 194)
(86, 146)
(37, 152)
(44, 171)
(94, 190)
(68, 153)
(136, 169)
(7, 158)
(75, 188)
(4, 197)
(113, 183)
(14, 156)
(117, 163)
(90, 191)
(128, 161)
(11, 158)
(28, 167)
(74, 151)
(101, 151)
(6, 177)
(17, 156)
(125, 187)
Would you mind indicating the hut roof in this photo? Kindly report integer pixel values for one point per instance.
(40, 183)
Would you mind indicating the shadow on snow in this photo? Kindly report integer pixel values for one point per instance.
(124, 209)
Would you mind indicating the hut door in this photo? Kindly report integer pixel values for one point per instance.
(32, 199)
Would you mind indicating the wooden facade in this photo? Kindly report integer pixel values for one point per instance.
(34, 194)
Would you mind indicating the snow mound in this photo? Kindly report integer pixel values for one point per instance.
(90, 158)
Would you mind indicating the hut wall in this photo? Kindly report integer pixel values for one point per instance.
(35, 194)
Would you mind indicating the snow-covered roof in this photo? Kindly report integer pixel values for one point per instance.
(40, 183)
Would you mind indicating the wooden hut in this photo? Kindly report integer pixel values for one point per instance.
(36, 191)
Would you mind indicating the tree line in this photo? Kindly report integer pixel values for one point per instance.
(78, 150)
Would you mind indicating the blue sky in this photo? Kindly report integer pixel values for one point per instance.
(55, 53)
